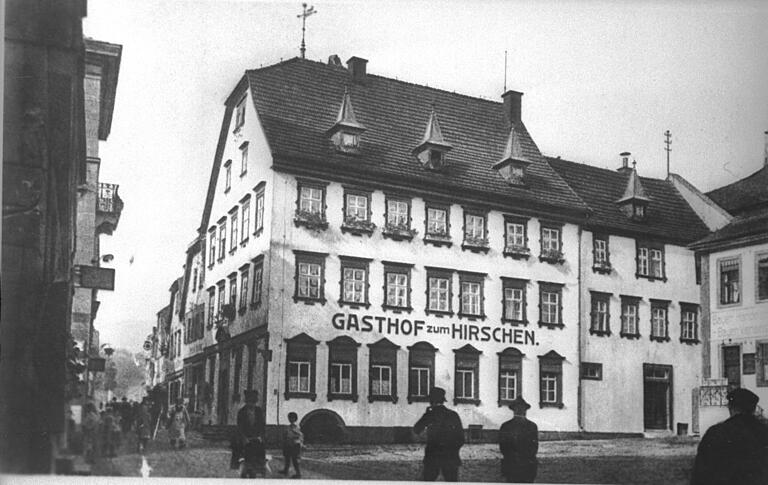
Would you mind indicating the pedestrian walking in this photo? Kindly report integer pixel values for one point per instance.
(519, 443)
(143, 427)
(178, 422)
(293, 441)
(110, 428)
(735, 450)
(248, 450)
(445, 436)
(91, 423)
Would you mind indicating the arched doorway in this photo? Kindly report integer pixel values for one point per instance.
(323, 426)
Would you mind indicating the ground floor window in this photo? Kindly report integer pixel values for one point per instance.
(383, 371)
(551, 380)
(467, 378)
(421, 371)
(301, 358)
(510, 372)
(342, 368)
(298, 376)
(761, 363)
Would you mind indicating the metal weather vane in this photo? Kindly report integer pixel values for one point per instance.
(303, 16)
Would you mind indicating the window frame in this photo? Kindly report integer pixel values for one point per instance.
(549, 287)
(516, 251)
(423, 355)
(739, 287)
(598, 297)
(657, 304)
(689, 308)
(343, 351)
(383, 353)
(551, 363)
(243, 158)
(404, 232)
(258, 206)
(391, 267)
(444, 274)
(473, 243)
(222, 240)
(508, 283)
(221, 296)
(649, 247)
(758, 256)
(301, 349)
(245, 271)
(245, 219)
(435, 238)
(587, 367)
(761, 363)
(240, 114)
(472, 278)
(350, 262)
(510, 359)
(234, 215)
(357, 226)
(308, 257)
(601, 266)
(311, 220)
(466, 359)
(626, 302)
(232, 284)
(257, 290)
(213, 246)
(549, 255)
(227, 176)
(211, 314)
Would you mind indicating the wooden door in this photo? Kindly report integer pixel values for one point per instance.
(657, 396)
(732, 366)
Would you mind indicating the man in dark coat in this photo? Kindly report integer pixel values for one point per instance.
(519, 443)
(736, 450)
(445, 436)
(248, 450)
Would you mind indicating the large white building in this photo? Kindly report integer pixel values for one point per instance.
(364, 239)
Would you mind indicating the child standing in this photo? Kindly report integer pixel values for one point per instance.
(293, 440)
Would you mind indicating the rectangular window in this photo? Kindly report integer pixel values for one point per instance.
(341, 378)
(600, 255)
(421, 371)
(398, 214)
(227, 175)
(194, 280)
(354, 281)
(548, 388)
(259, 208)
(629, 316)
(381, 380)
(211, 306)
(650, 260)
(474, 227)
(550, 304)
(234, 227)
(298, 377)
(510, 372)
(397, 286)
(222, 294)
(240, 114)
(310, 276)
(466, 384)
(439, 293)
(513, 302)
(592, 371)
(245, 208)
(233, 290)
(311, 199)
(356, 209)
(508, 385)
(761, 363)
(243, 158)
(211, 246)
(258, 276)
(437, 221)
(762, 277)
(420, 381)
(730, 281)
(244, 287)
(222, 238)
(515, 235)
(689, 323)
(471, 294)
(551, 380)
(659, 321)
(238, 370)
(600, 315)
(550, 239)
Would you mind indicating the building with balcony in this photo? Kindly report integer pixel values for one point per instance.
(364, 239)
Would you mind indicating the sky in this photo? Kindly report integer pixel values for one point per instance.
(598, 79)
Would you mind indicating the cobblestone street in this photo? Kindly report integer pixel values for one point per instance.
(636, 461)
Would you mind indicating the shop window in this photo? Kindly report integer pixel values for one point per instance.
(601, 314)
(630, 321)
(689, 323)
(659, 320)
(601, 262)
(301, 359)
(397, 286)
(421, 371)
(551, 380)
(467, 375)
(550, 305)
(310, 277)
(510, 375)
(354, 281)
(516, 237)
(439, 291)
(342, 369)
(382, 373)
(471, 295)
(251, 366)
(592, 371)
(748, 364)
(237, 372)
(650, 261)
(551, 243)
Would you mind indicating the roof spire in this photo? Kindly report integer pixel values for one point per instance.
(635, 189)
(513, 163)
(433, 134)
(346, 116)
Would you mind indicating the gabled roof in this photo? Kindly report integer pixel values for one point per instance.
(747, 229)
(743, 195)
(668, 216)
(297, 100)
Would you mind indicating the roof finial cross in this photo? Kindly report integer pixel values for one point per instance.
(303, 16)
(667, 148)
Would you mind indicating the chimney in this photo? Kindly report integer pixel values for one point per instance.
(334, 61)
(512, 106)
(356, 67)
(765, 150)
(625, 168)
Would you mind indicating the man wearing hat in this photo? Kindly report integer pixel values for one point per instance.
(519, 443)
(736, 450)
(248, 450)
(445, 436)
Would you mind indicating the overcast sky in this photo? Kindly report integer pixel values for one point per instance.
(599, 78)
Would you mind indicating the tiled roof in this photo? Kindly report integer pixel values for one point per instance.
(748, 226)
(744, 194)
(668, 216)
(298, 101)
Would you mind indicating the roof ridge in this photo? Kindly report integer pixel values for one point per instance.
(607, 170)
(743, 179)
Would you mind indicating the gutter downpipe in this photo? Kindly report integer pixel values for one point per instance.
(579, 402)
(281, 344)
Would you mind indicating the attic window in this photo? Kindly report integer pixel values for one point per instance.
(435, 159)
(513, 163)
(349, 141)
(345, 133)
(240, 115)
(639, 211)
(432, 148)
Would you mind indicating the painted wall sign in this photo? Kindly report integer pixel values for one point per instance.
(459, 331)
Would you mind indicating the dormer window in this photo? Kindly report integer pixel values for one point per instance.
(345, 133)
(634, 203)
(638, 211)
(433, 147)
(513, 164)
